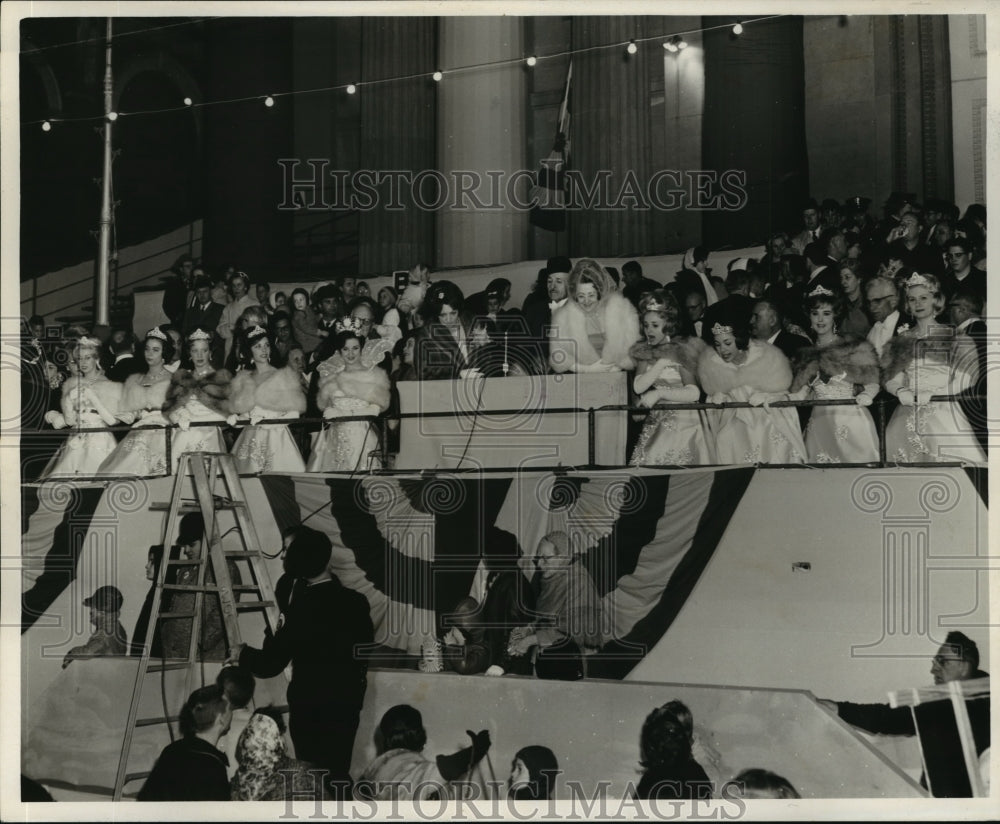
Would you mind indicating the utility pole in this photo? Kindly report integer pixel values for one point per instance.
(101, 297)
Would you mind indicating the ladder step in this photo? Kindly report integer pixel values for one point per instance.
(179, 665)
(164, 506)
(240, 553)
(136, 776)
(246, 606)
(177, 615)
(193, 588)
(152, 722)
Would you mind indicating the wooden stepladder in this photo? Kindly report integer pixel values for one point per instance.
(216, 488)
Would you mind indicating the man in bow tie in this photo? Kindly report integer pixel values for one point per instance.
(539, 315)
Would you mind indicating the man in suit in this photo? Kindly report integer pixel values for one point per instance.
(819, 271)
(905, 244)
(957, 659)
(883, 306)
(126, 363)
(810, 222)
(766, 324)
(961, 274)
(636, 284)
(539, 313)
(204, 313)
(732, 310)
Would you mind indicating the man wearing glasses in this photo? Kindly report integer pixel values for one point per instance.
(961, 274)
(957, 659)
(883, 307)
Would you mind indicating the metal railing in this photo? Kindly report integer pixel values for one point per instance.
(305, 425)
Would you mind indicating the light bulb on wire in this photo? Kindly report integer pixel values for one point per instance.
(532, 60)
(269, 101)
(632, 48)
(188, 101)
(112, 116)
(46, 126)
(351, 89)
(738, 29)
(437, 77)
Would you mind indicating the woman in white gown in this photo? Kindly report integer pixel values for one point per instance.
(89, 400)
(350, 383)
(665, 373)
(594, 330)
(144, 450)
(921, 362)
(739, 369)
(833, 370)
(259, 392)
(198, 394)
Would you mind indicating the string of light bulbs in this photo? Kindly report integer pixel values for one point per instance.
(673, 42)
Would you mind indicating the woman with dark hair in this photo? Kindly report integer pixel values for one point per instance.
(595, 329)
(739, 369)
(144, 450)
(305, 323)
(666, 366)
(402, 772)
(533, 774)
(249, 318)
(89, 400)
(669, 769)
(350, 383)
(831, 370)
(442, 348)
(261, 391)
(197, 394)
(919, 365)
(757, 783)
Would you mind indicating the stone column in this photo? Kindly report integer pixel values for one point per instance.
(481, 132)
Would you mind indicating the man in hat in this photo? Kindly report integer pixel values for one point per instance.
(539, 314)
(109, 636)
(810, 222)
(831, 215)
(239, 286)
(324, 635)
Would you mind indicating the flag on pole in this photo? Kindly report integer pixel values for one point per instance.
(550, 190)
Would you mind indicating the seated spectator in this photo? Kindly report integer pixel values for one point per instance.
(125, 362)
(176, 290)
(904, 243)
(854, 323)
(694, 315)
(669, 769)
(508, 602)
(109, 636)
(251, 317)
(961, 274)
(788, 291)
(192, 768)
(957, 659)
(636, 285)
(402, 772)
(757, 783)
(264, 771)
(732, 310)
(442, 349)
(465, 650)
(284, 337)
(883, 306)
(767, 324)
(262, 291)
(533, 774)
(571, 618)
(820, 269)
(204, 313)
(305, 322)
(179, 348)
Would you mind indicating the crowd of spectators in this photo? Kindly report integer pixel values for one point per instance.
(844, 308)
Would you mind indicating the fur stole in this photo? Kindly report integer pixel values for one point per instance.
(898, 352)
(279, 391)
(108, 391)
(136, 397)
(569, 343)
(212, 390)
(766, 370)
(370, 385)
(680, 350)
(855, 358)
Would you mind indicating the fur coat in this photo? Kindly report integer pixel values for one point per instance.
(108, 392)
(569, 343)
(136, 397)
(368, 385)
(855, 358)
(681, 350)
(279, 391)
(212, 390)
(898, 353)
(766, 370)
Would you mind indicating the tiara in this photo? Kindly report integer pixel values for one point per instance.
(156, 332)
(85, 340)
(348, 323)
(719, 329)
(916, 279)
(820, 291)
(653, 305)
(257, 330)
(199, 334)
